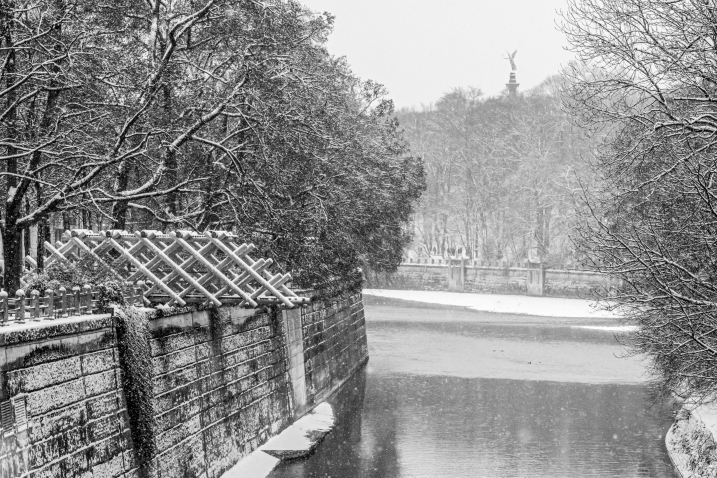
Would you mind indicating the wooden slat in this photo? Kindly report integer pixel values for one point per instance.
(147, 273)
(215, 270)
(251, 271)
(181, 272)
(81, 245)
(180, 266)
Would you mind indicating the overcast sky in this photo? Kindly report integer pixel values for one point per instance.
(421, 49)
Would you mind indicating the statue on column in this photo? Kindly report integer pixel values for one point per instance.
(511, 59)
(512, 83)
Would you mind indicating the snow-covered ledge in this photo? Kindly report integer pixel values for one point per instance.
(692, 442)
(298, 440)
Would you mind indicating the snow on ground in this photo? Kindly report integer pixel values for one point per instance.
(505, 304)
(298, 439)
(608, 328)
(304, 435)
(255, 465)
(690, 441)
(708, 415)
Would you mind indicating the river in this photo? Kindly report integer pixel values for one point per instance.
(451, 392)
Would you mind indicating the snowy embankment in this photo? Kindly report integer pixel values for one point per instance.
(298, 440)
(512, 304)
(692, 442)
(503, 304)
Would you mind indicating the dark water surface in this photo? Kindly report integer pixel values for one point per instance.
(449, 393)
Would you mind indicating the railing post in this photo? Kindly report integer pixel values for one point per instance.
(78, 303)
(35, 300)
(50, 303)
(20, 306)
(63, 295)
(88, 299)
(139, 291)
(3, 307)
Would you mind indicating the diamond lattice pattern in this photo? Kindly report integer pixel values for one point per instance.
(181, 266)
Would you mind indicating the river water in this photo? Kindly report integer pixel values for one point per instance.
(450, 392)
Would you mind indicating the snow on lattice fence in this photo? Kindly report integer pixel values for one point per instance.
(179, 267)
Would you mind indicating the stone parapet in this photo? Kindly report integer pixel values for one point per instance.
(61, 401)
(492, 280)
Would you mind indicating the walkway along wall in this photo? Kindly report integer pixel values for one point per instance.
(180, 393)
(457, 277)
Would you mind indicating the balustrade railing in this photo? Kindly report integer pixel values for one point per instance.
(61, 303)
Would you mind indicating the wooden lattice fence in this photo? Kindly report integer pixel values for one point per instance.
(179, 267)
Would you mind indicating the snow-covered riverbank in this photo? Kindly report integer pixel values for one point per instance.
(692, 442)
(505, 304)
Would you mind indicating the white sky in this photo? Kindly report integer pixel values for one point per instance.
(421, 49)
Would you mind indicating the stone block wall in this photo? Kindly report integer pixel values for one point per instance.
(496, 280)
(219, 388)
(492, 280)
(564, 283)
(174, 393)
(334, 333)
(63, 411)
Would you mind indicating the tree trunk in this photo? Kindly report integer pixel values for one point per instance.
(43, 235)
(27, 244)
(210, 215)
(12, 234)
(12, 255)
(119, 209)
(170, 156)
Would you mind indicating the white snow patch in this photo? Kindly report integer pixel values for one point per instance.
(708, 415)
(608, 328)
(301, 436)
(504, 304)
(690, 441)
(255, 465)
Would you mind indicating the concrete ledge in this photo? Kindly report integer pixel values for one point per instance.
(302, 437)
(298, 440)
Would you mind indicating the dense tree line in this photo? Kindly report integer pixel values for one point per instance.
(646, 78)
(501, 173)
(212, 114)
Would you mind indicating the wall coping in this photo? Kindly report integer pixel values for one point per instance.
(31, 331)
(501, 269)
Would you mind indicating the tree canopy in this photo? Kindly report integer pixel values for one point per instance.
(218, 114)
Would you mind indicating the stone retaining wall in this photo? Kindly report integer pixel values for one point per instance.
(334, 344)
(180, 393)
(63, 411)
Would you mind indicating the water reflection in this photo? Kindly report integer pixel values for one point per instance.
(395, 421)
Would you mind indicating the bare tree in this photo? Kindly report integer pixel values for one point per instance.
(646, 80)
(501, 172)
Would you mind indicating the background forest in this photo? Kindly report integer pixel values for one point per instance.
(501, 175)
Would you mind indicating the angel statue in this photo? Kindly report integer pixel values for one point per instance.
(511, 59)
